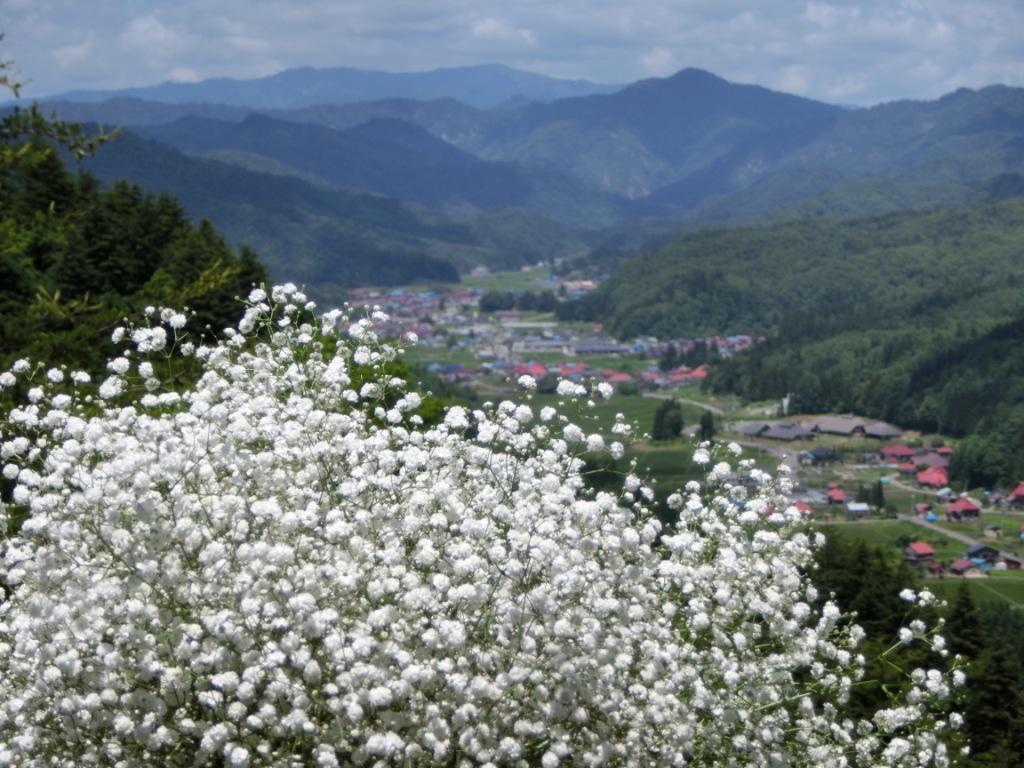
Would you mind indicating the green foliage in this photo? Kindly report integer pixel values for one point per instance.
(862, 579)
(74, 259)
(528, 301)
(990, 641)
(993, 700)
(668, 421)
(707, 426)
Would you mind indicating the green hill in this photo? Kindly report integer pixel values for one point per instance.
(913, 317)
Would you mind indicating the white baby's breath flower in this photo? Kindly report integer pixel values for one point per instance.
(527, 382)
(282, 563)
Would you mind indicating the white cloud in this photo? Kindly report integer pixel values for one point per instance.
(867, 51)
(660, 62)
(184, 75)
(490, 29)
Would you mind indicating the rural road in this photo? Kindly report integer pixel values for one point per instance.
(951, 534)
(715, 410)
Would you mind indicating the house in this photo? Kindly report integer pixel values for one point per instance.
(572, 371)
(783, 430)
(964, 567)
(935, 477)
(930, 460)
(919, 553)
(896, 451)
(962, 509)
(616, 377)
(922, 509)
(752, 428)
(881, 431)
(944, 450)
(857, 509)
(534, 369)
(836, 496)
(837, 425)
(1016, 496)
(819, 456)
(982, 553)
(991, 531)
(804, 507)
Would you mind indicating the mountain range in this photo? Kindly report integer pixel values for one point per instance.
(486, 85)
(598, 163)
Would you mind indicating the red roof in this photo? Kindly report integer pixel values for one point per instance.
(1017, 493)
(962, 505)
(921, 548)
(907, 469)
(897, 451)
(536, 370)
(616, 377)
(944, 451)
(572, 369)
(961, 565)
(935, 477)
(836, 495)
(803, 507)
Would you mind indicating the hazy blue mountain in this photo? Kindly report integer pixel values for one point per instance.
(965, 147)
(686, 150)
(656, 131)
(130, 111)
(388, 157)
(481, 86)
(327, 239)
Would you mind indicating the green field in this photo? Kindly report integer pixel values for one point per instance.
(532, 279)
(890, 535)
(1008, 522)
(998, 587)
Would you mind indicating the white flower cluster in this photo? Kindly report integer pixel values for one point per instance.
(283, 567)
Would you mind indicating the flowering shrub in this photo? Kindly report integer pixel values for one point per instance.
(282, 566)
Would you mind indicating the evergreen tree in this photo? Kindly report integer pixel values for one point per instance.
(669, 358)
(707, 426)
(964, 631)
(668, 421)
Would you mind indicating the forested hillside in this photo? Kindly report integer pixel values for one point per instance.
(75, 259)
(914, 318)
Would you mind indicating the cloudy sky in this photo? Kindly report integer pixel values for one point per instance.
(834, 50)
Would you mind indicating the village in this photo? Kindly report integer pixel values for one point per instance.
(463, 344)
(867, 478)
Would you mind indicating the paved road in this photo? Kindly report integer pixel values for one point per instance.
(714, 409)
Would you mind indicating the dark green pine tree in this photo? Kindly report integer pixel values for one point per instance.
(668, 421)
(994, 707)
(964, 630)
(707, 426)
(669, 358)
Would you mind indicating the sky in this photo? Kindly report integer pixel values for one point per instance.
(856, 53)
